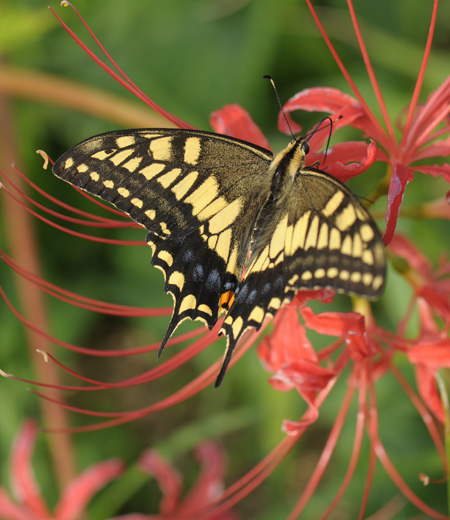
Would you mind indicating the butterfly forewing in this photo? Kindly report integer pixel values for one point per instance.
(231, 227)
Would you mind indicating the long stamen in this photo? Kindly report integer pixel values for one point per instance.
(347, 76)
(407, 135)
(371, 73)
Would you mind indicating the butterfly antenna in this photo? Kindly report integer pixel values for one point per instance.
(317, 127)
(266, 76)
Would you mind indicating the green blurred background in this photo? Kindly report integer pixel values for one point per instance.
(193, 58)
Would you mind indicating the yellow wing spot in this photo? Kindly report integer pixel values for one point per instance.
(204, 308)
(212, 242)
(151, 214)
(258, 263)
(133, 164)
(161, 148)
(176, 278)
(299, 234)
(108, 184)
(335, 239)
(189, 302)
(152, 170)
(124, 141)
(346, 218)
(332, 272)
(212, 209)
(361, 214)
(226, 217)
(69, 163)
(379, 254)
(94, 176)
(257, 315)
(320, 273)
(164, 228)
(278, 243)
(82, 168)
(236, 326)
(344, 275)
(203, 195)
(355, 277)
(120, 157)
(192, 148)
(102, 154)
(181, 188)
(377, 282)
(366, 232)
(367, 278)
(307, 275)
(165, 256)
(293, 279)
(332, 205)
(347, 248)
(124, 192)
(168, 178)
(357, 246)
(223, 244)
(367, 257)
(137, 202)
(323, 240)
(275, 303)
(311, 239)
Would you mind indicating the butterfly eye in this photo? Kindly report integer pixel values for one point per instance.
(305, 147)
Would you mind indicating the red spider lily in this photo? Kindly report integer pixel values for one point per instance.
(208, 487)
(362, 346)
(421, 132)
(28, 503)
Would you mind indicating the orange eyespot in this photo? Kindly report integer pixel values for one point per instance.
(226, 300)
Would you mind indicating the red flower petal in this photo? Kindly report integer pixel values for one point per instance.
(426, 383)
(234, 121)
(318, 99)
(334, 323)
(287, 343)
(9, 510)
(168, 479)
(23, 481)
(209, 484)
(308, 378)
(80, 490)
(432, 354)
(401, 176)
(359, 154)
(436, 170)
(404, 248)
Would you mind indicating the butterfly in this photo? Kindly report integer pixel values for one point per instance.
(234, 228)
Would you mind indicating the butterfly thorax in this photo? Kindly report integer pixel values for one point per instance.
(285, 167)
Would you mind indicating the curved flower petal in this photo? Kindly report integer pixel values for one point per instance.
(317, 99)
(80, 490)
(209, 484)
(401, 176)
(334, 323)
(168, 478)
(359, 154)
(23, 482)
(287, 343)
(233, 120)
(308, 378)
(436, 170)
(428, 389)
(404, 248)
(10, 510)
